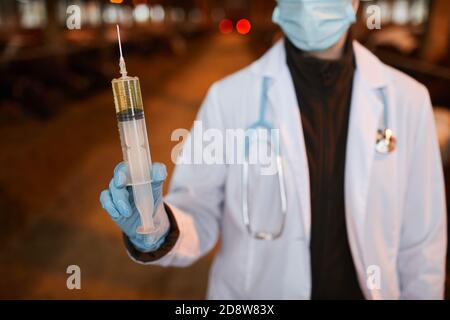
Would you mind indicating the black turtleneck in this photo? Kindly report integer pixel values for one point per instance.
(324, 90)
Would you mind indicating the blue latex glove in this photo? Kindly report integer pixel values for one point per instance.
(119, 203)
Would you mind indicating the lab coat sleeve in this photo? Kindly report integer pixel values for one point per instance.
(196, 194)
(422, 251)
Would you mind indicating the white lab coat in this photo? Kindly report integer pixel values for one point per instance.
(395, 203)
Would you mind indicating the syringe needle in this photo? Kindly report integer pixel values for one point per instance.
(120, 43)
(122, 66)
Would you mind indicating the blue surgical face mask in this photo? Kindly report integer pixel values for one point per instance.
(314, 25)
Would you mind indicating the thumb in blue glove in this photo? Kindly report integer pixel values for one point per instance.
(119, 203)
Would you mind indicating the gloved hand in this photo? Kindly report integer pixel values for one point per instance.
(119, 203)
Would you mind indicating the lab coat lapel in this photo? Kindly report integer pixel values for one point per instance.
(365, 118)
(363, 124)
(282, 95)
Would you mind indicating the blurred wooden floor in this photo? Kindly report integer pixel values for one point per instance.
(53, 172)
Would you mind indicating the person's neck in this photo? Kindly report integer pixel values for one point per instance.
(333, 53)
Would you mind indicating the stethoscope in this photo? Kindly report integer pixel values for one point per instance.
(262, 124)
(385, 144)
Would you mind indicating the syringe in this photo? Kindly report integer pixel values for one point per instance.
(133, 137)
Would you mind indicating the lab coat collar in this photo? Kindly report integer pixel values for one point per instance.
(368, 66)
(270, 64)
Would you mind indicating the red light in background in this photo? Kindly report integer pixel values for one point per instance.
(226, 26)
(243, 26)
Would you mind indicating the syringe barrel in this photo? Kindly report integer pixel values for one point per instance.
(135, 147)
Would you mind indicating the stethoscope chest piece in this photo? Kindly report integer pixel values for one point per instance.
(386, 141)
